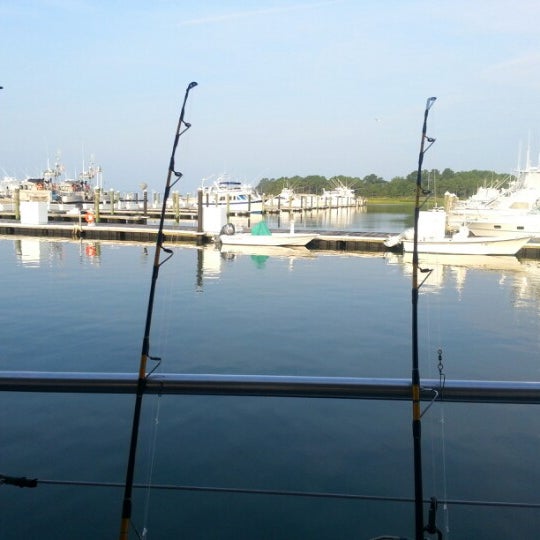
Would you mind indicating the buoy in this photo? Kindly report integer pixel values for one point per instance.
(89, 217)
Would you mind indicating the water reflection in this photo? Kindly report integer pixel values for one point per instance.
(523, 275)
(32, 252)
(211, 258)
(386, 219)
(29, 252)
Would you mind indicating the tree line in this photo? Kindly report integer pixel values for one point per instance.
(462, 183)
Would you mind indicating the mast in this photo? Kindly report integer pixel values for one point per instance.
(143, 376)
(416, 422)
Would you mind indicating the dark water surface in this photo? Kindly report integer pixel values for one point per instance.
(77, 306)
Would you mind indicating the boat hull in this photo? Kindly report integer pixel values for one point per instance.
(470, 246)
(275, 239)
(526, 224)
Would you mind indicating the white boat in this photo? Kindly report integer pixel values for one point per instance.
(260, 235)
(287, 199)
(268, 251)
(472, 245)
(492, 202)
(275, 239)
(506, 224)
(237, 197)
(72, 191)
(432, 238)
(339, 197)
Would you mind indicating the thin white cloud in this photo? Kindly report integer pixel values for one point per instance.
(225, 17)
(524, 69)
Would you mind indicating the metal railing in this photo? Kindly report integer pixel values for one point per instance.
(473, 391)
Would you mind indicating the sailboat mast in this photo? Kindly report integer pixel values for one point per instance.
(416, 422)
(145, 354)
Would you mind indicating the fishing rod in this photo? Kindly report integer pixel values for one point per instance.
(416, 423)
(183, 126)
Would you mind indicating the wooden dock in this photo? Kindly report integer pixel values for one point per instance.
(132, 231)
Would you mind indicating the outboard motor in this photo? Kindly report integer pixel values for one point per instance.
(227, 229)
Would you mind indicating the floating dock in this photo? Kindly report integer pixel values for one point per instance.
(178, 234)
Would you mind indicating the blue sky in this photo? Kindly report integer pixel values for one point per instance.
(285, 87)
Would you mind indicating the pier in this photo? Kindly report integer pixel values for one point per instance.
(126, 228)
(182, 225)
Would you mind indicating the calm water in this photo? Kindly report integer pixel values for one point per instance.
(77, 306)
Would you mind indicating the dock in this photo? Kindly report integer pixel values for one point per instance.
(124, 229)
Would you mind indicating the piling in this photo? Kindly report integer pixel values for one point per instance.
(97, 195)
(17, 203)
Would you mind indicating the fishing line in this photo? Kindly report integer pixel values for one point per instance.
(151, 463)
(435, 312)
(442, 421)
(287, 493)
(162, 341)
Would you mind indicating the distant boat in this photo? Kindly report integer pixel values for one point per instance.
(239, 198)
(432, 239)
(494, 202)
(260, 235)
(287, 199)
(341, 196)
(506, 224)
(73, 191)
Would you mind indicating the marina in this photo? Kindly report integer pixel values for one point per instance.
(295, 335)
(133, 232)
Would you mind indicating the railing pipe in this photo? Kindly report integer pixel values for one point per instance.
(465, 391)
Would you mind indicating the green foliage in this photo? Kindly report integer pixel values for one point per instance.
(462, 183)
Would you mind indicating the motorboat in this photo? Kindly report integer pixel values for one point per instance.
(520, 197)
(267, 251)
(339, 197)
(261, 235)
(287, 199)
(470, 245)
(432, 238)
(237, 197)
(506, 224)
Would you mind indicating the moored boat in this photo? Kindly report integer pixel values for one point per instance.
(237, 197)
(432, 238)
(471, 245)
(260, 235)
(521, 196)
(340, 197)
(506, 224)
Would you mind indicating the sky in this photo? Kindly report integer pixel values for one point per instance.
(285, 87)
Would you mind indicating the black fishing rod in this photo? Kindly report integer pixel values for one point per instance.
(416, 423)
(145, 354)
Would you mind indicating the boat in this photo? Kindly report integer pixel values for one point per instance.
(432, 238)
(237, 197)
(521, 197)
(341, 196)
(286, 199)
(267, 251)
(505, 224)
(261, 235)
(71, 191)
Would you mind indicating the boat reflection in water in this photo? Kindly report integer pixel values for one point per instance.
(29, 251)
(525, 274)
